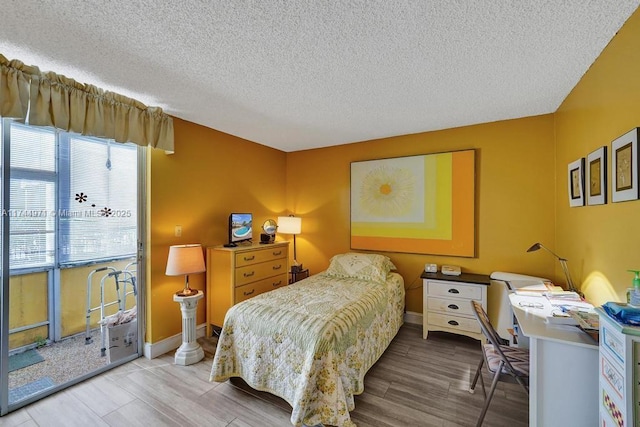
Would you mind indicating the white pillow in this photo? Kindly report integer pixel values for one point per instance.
(373, 267)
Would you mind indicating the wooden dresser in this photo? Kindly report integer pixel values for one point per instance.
(447, 303)
(239, 273)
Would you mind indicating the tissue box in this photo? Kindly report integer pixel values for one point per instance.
(121, 340)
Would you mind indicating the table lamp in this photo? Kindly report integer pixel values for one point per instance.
(291, 225)
(185, 259)
(563, 264)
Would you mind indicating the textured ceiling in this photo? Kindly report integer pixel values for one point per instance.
(302, 74)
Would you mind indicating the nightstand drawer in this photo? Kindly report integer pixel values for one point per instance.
(254, 257)
(252, 289)
(454, 322)
(455, 290)
(449, 305)
(254, 272)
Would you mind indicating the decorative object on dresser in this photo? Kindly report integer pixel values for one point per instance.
(447, 303)
(563, 264)
(185, 259)
(291, 225)
(269, 227)
(239, 273)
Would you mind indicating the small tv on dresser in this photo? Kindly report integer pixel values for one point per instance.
(240, 228)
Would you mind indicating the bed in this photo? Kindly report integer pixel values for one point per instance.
(312, 342)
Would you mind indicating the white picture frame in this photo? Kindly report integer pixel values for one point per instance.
(624, 167)
(596, 177)
(576, 182)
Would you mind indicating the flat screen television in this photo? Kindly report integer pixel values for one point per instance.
(240, 228)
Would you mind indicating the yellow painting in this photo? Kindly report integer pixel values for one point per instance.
(415, 204)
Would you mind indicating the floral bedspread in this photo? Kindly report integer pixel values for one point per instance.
(311, 343)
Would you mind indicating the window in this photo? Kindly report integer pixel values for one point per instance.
(72, 192)
(33, 190)
(98, 199)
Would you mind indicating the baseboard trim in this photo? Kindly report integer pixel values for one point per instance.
(413, 318)
(153, 350)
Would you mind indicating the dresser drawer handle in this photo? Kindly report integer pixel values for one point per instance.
(453, 307)
(249, 258)
(453, 323)
(277, 267)
(453, 291)
(277, 253)
(249, 293)
(249, 274)
(278, 283)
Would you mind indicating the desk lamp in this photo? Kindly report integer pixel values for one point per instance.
(185, 259)
(563, 264)
(291, 225)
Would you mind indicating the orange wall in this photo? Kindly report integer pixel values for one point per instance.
(210, 175)
(600, 242)
(514, 197)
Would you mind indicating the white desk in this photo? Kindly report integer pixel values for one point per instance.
(563, 372)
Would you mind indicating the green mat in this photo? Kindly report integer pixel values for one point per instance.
(24, 359)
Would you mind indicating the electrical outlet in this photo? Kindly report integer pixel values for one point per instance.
(178, 230)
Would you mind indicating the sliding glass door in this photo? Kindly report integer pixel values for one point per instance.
(71, 259)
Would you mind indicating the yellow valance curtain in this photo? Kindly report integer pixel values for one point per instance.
(15, 78)
(61, 102)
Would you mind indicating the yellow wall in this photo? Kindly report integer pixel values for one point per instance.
(210, 175)
(600, 242)
(28, 305)
(514, 197)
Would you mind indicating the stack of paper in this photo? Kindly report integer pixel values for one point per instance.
(563, 295)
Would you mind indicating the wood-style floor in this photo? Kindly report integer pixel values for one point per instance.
(415, 383)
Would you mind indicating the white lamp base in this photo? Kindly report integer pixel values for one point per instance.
(190, 351)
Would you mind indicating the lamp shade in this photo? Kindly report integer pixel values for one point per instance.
(185, 259)
(289, 224)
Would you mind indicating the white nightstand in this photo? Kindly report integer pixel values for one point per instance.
(447, 303)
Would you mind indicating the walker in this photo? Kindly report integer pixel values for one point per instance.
(122, 279)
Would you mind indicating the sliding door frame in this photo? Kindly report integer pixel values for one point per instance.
(5, 197)
(141, 249)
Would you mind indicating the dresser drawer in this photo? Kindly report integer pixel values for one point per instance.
(455, 290)
(252, 289)
(254, 257)
(454, 322)
(613, 342)
(449, 305)
(253, 272)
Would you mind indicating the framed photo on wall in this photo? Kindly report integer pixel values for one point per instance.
(596, 178)
(576, 183)
(624, 167)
